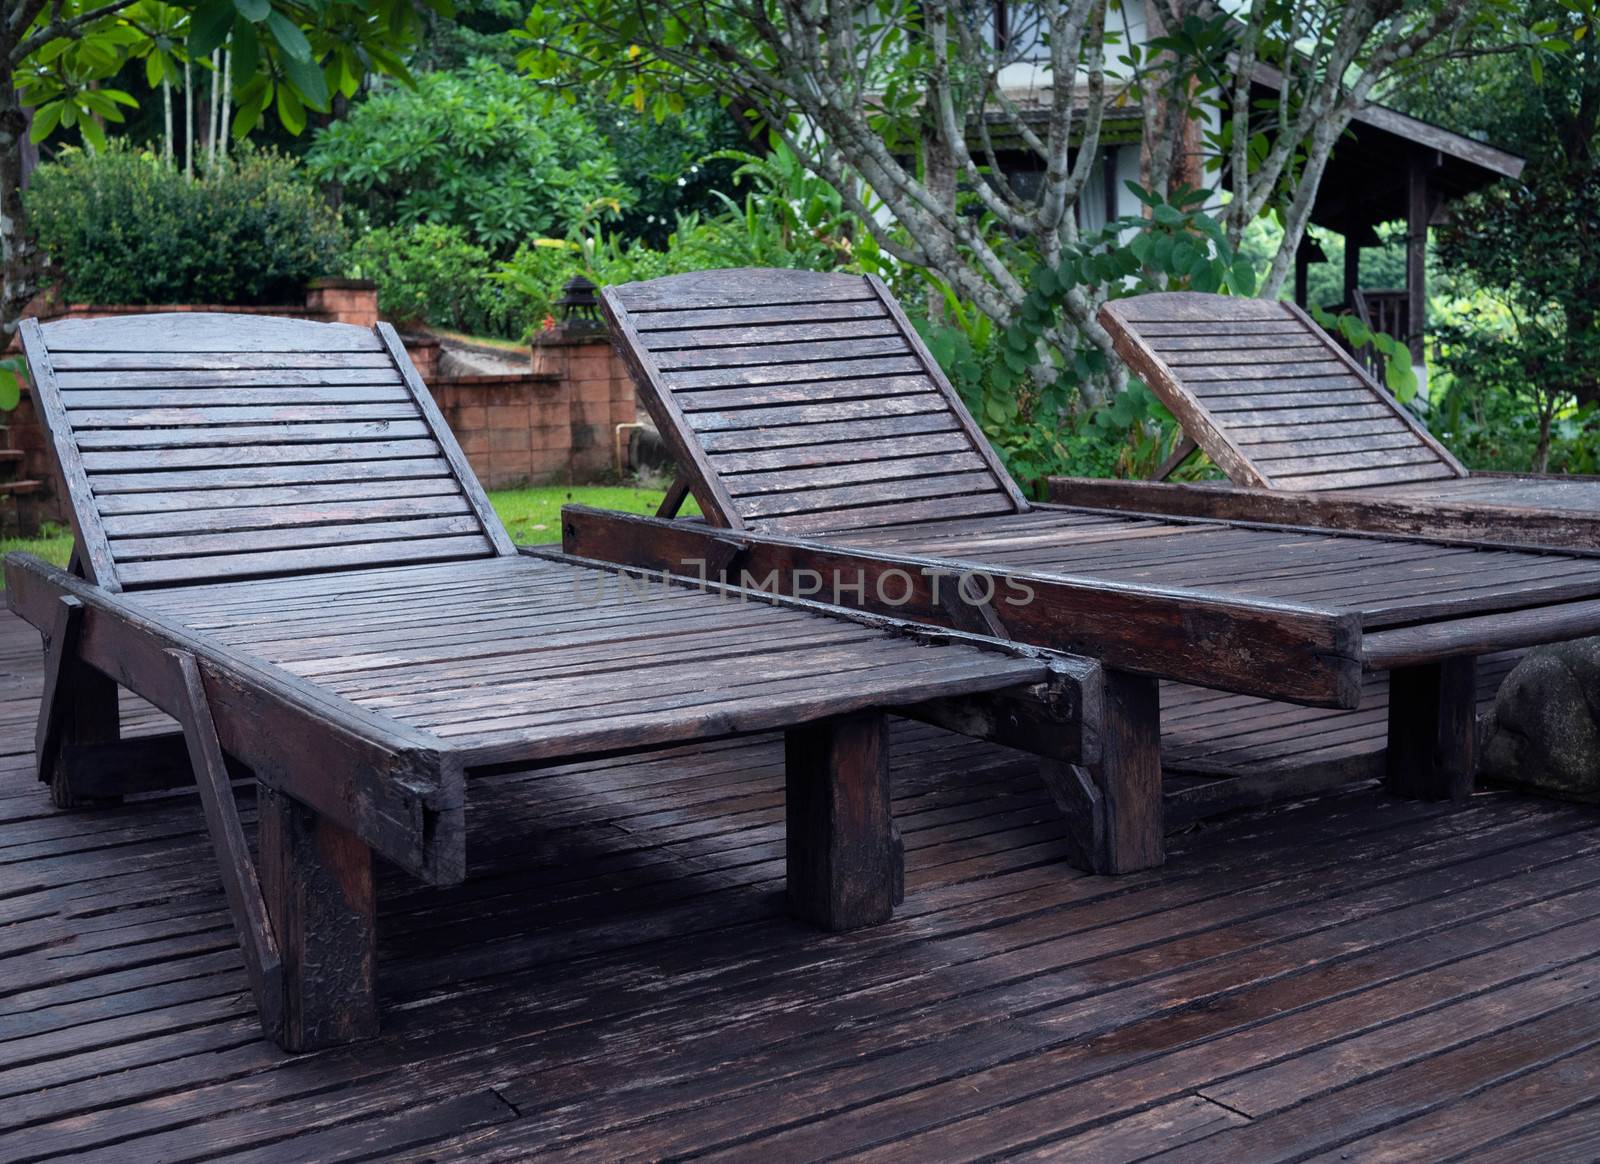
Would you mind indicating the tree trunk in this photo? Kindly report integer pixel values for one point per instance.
(166, 110)
(939, 174)
(1541, 452)
(21, 256)
(216, 107)
(227, 102)
(188, 121)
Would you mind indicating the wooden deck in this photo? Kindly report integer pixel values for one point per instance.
(1360, 977)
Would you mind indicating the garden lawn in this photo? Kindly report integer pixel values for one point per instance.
(532, 515)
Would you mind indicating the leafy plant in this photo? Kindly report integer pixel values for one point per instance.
(1025, 387)
(121, 227)
(477, 148)
(13, 372)
(428, 273)
(1398, 374)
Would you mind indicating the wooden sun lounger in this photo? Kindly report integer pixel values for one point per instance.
(1286, 413)
(280, 545)
(830, 456)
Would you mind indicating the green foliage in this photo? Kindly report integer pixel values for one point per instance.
(1398, 374)
(289, 56)
(12, 374)
(122, 227)
(435, 274)
(477, 148)
(1519, 328)
(671, 169)
(1024, 389)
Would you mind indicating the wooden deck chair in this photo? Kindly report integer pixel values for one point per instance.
(280, 545)
(830, 455)
(1278, 405)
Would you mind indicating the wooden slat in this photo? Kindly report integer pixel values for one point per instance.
(877, 387)
(202, 399)
(150, 361)
(802, 456)
(413, 468)
(890, 365)
(232, 520)
(856, 495)
(286, 494)
(780, 415)
(1362, 477)
(745, 484)
(1276, 370)
(207, 332)
(146, 417)
(742, 288)
(171, 571)
(295, 454)
(329, 433)
(677, 319)
(190, 545)
(229, 378)
(774, 332)
(678, 360)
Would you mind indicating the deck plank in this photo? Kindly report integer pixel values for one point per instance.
(617, 979)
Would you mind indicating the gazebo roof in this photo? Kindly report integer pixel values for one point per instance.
(1366, 179)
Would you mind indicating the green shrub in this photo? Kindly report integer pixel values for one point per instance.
(437, 275)
(120, 226)
(477, 148)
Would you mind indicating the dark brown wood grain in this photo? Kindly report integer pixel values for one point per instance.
(1191, 350)
(1432, 750)
(1263, 648)
(257, 939)
(1556, 522)
(769, 415)
(222, 422)
(78, 710)
(845, 863)
(317, 881)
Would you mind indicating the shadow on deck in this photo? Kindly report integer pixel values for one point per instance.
(1361, 975)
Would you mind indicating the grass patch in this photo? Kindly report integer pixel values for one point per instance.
(54, 545)
(532, 515)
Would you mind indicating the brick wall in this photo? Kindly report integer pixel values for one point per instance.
(514, 429)
(601, 390)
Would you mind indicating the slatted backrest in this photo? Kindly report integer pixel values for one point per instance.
(800, 401)
(1269, 396)
(202, 447)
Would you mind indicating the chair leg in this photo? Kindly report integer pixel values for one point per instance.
(1432, 746)
(306, 921)
(239, 881)
(317, 880)
(1112, 800)
(846, 863)
(79, 708)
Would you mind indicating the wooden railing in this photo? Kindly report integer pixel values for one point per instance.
(1380, 310)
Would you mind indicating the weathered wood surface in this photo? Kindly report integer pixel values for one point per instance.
(1269, 395)
(619, 979)
(357, 718)
(201, 446)
(1545, 512)
(791, 397)
(1275, 402)
(1278, 612)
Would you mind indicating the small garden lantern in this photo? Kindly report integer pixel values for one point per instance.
(578, 307)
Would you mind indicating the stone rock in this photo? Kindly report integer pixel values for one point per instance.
(1544, 731)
